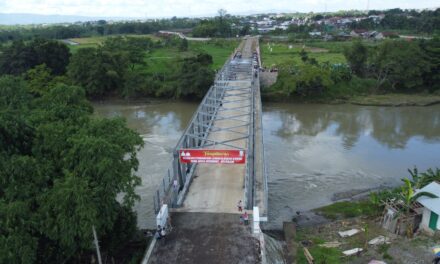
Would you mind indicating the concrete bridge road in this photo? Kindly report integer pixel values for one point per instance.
(204, 215)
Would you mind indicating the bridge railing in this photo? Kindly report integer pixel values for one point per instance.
(174, 184)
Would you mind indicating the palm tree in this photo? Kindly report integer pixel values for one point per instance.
(420, 180)
(408, 197)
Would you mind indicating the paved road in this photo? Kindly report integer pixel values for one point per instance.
(218, 188)
(182, 36)
(207, 228)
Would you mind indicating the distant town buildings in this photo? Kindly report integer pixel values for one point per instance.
(320, 26)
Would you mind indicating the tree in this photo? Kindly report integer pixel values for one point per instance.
(304, 80)
(39, 79)
(312, 80)
(183, 46)
(205, 29)
(62, 172)
(245, 30)
(408, 197)
(420, 180)
(357, 56)
(20, 57)
(17, 58)
(195, 77)
(223, 28)
(303, 55)
(99, 71)
(400, 63)
(431, 49)
(54, 54)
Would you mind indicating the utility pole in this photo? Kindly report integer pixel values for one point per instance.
(95, 238)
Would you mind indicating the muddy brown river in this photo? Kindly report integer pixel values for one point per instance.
(312, 151)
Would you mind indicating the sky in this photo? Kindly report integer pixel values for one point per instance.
(190, 8)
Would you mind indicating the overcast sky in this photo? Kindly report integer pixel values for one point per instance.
(167, 8)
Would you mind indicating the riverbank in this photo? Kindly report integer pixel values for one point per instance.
(318, 231)
(392, 100)
(396, 100)
(360, 214)
(326, 245)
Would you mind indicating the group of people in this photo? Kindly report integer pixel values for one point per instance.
(244, 218)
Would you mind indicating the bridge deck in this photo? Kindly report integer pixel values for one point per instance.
(207, 227)
(218, 188)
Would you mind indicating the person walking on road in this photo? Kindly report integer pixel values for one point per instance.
(240, 206)
(246, 218)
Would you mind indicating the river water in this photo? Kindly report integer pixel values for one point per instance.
(311, 151)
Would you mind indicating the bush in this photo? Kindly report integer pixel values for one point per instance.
(350, 209)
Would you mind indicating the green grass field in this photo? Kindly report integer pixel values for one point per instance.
(280, 53)
(220, 50)
(162, 59)
(92, 42)
(99, 39)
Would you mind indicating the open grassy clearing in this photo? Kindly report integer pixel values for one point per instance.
(219, 50)
(99, 39)
(93, 42)
(162, 59)
(280, 53)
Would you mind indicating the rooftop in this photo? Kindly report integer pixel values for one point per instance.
(432, 204)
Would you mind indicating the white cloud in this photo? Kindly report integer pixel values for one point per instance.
(161, 8)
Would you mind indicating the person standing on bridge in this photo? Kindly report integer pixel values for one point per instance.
(240, 206)
(246, 218)
(175, 184)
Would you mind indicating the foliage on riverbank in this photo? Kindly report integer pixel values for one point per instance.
(393, 99)
(350, 209)
(362, 215)
(375, 204)
(392, 66)
(121, 66)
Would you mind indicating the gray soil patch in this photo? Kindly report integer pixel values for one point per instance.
(207, 238)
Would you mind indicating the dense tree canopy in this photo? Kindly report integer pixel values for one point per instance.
(400, 63)
(427, 21)
(62, 171)
(20, 57)
(220, 26)
(397, 65)
(195, 77)
(357, 56)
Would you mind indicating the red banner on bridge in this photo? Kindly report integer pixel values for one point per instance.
(215, 156)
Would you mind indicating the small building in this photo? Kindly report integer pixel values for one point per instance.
(431, 208)
(358, 32)
(315, 33)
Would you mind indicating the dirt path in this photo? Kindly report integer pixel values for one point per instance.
(207, 238)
